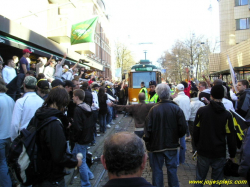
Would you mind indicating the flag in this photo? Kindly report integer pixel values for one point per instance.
(83, 32)
(239, 122)
(118, 72)
(233, 77)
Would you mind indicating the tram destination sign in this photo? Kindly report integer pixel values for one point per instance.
(144, 69)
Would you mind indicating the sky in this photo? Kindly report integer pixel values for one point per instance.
(160, 22)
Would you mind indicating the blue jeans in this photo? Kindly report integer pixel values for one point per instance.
(182, 151)
(85, 173)
(95, 117)
(202, 168)
(102, 121)
(109, 115)
(4, 149)
(170, 157)
(187, 132)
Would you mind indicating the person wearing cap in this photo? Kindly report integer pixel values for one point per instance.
(42, 61)
(6, 109)
(69, 85)
(213, 130)
(184, 103)
(50, 70)
(24, 64)
(68, 75)
(25, 107)
(56, 83)
(145, 91)
(42, 88)
(153, 97)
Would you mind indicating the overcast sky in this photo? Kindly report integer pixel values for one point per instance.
(161, 22)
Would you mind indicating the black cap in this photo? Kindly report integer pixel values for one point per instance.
(69, 84)
(56, 83)
(217, 92)
(43, 84)
(142, 83)
(95, 85)
(152, 83)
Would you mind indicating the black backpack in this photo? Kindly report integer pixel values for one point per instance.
(22, 158)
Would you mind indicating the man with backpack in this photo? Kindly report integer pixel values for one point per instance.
(83, 125)
(25, 107)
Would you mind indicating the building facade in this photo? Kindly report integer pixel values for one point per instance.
(44, 26)
(234, 40)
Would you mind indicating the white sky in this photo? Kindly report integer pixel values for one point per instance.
(160, 22)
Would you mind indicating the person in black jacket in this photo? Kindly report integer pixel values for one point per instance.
(203, 91)
(88, 95)
(51, 141)
(83, 125)
(165, 124)
(103, 109)
(213, 129)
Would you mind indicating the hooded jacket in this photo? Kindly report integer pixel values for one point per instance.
(213, 129)
(83, 124)
(52, 145)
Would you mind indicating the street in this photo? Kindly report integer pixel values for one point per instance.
(186, 171)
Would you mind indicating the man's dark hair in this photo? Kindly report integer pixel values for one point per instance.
(184, 83)
(80, 94)
(84, 85)
(40, 76)
(123, 153)
(244, 82)
(58, 96)
(193, 94)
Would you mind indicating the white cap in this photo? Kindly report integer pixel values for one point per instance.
(180, 87)
(66, 66)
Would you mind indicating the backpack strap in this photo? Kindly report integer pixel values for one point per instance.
(46, 122)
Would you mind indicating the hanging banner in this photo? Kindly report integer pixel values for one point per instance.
(118, 72)
(233, 77)
(83, 32)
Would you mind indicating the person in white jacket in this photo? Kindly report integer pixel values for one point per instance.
(9, 72)
(195, 104)
(184, 103)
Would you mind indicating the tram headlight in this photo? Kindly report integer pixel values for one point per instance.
(134, 99)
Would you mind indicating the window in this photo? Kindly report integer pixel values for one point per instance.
(145, 77)
(242, 23)
(241, 2)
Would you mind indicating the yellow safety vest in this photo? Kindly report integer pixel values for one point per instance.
(146, 94)
(154, 98)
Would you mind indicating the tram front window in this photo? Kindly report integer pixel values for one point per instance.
(145, 77)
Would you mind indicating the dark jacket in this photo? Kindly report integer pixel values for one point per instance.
(213, 124)
(128, 182)
(83, 124)
(139, 112)
(165, 124)
(109, 91)
(244, 168)
(102, 104)
(243, 104)
(88, 97)
(52, 145)
(205, 93)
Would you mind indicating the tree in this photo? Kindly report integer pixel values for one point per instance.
(124, 57)
(192, 53)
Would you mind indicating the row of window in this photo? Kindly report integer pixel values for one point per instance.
(241, 2)
(242, 24)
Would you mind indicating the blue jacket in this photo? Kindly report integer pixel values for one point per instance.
(244, 168)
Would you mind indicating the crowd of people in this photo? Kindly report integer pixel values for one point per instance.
(36, 92)
(165, 118)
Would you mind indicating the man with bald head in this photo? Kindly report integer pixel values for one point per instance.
(125, 157)
(139, 112)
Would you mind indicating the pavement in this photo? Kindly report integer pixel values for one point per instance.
(186, 172)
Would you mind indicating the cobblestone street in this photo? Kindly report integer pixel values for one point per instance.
(186, 172)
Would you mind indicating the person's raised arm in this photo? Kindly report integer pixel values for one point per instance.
(1, 59)
(64, 58)
(75, 65)
(49, 60)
